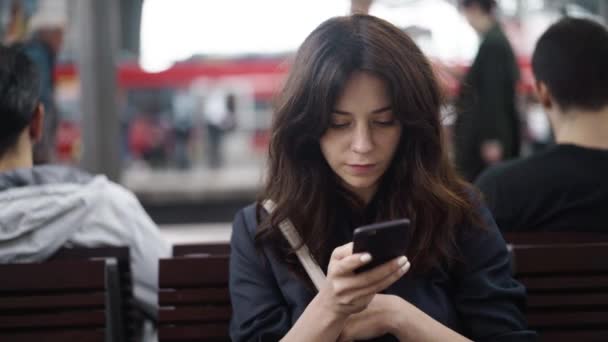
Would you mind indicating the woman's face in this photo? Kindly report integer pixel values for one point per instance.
(362, 136)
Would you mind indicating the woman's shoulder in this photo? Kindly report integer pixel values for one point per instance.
(245, 220)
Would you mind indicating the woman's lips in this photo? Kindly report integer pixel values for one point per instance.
(360, 169)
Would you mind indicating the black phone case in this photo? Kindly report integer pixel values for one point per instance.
(384, 241)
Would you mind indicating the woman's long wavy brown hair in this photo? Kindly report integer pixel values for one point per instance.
(420, 184)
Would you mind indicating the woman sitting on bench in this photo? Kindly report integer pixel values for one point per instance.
(357, 139)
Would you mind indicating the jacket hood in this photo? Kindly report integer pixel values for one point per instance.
(52, 197)
(42, 175)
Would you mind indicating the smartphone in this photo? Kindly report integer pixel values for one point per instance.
(384, 241)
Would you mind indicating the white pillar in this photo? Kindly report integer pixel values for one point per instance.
(98, 23)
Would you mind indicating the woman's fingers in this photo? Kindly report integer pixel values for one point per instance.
(383, 283)
(369, 282)
(379, 273)
(349, 264)
(353, 292)
(342, 252)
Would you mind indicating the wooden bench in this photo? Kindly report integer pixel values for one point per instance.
(567, 284)
(194, 299)
(61, 301)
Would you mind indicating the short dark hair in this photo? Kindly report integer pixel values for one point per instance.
(19, 93)
(571, 58)
(486, 5)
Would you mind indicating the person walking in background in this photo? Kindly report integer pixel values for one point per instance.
(356, 139)
(487, 126)
(220, 118)
(183, 108)
(563, 188)
(43, 46)
(360, 6)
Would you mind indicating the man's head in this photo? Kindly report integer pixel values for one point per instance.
(21, 114)
(570, 63)
(478, 12)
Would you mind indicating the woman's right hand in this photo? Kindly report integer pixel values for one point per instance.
(346, 292)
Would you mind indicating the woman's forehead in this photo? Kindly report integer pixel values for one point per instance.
(363, 91)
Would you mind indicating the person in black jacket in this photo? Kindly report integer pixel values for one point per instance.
(356, 138)
(562, 188)
(487, 130)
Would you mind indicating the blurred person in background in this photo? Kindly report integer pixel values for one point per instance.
(360, 6)
(46, 207)
(220, 118)
(562, 188)
(47, 31)
(487, 129)
(356, 139)
(183, 108)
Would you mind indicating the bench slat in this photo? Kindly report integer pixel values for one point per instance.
(53, 276)
(560, 258)
(194, 296)
(197, 332)
(195, 314)
(89, 300)
(574, 335)
(201, 249)
(57, 319)
(565, 282)
(567, 319)
(552, 238)
(55, 336)
(589, 300)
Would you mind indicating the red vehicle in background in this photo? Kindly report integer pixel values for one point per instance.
(146, 98)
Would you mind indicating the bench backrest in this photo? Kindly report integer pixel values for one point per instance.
(133, 316)
(61, 301)
(194, 300)
(567, 286)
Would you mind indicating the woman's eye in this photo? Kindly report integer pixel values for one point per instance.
(390, 122)
(339, 124)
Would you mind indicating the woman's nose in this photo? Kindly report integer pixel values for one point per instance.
(362, 141)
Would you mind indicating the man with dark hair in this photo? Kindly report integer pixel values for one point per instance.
(564, 187)
(44, 208)
(487, 127)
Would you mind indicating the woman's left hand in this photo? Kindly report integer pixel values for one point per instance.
(374, 321)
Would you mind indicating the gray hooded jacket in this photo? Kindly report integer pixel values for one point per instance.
(45, 208)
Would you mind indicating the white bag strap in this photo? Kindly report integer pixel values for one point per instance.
(293, 237)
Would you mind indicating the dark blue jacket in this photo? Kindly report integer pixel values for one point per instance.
(479, 299)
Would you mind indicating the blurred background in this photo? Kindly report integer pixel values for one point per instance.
(172, 99)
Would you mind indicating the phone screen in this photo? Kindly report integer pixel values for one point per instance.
(384, 241)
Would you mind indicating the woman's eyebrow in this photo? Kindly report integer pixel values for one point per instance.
(382, 110)
(375, 111)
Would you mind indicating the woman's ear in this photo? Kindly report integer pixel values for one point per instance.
(37, 123)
